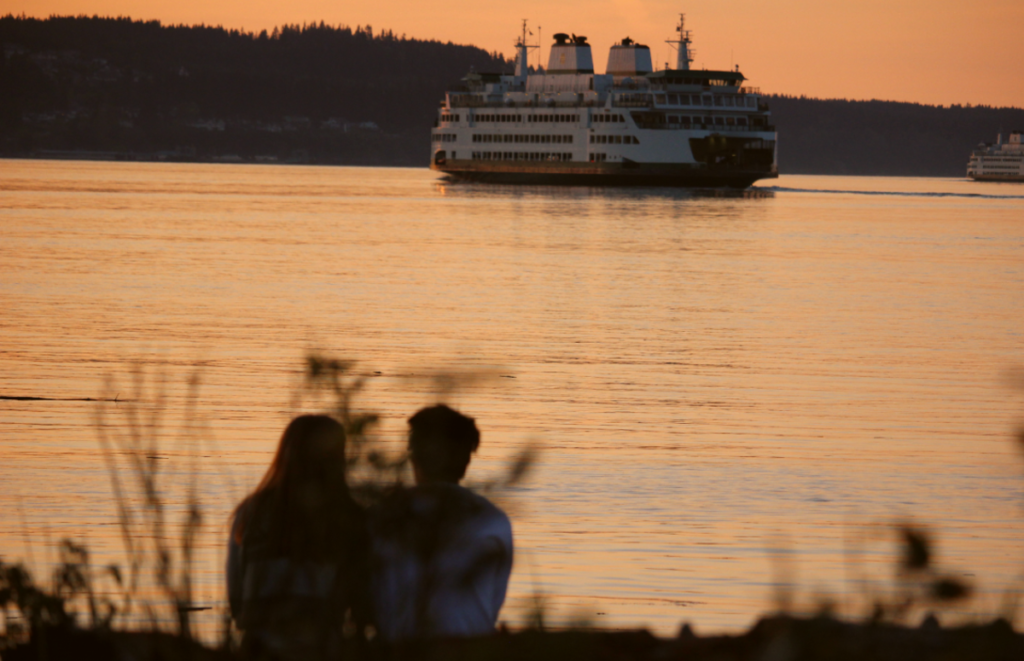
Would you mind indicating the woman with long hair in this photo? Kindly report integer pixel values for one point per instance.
(297, 555)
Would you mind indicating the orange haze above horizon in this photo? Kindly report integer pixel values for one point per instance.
(934, 52)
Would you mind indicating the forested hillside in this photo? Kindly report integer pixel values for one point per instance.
(118, 88)
(883, 137)
(328, 94)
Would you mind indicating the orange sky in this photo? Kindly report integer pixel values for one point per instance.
(928, 51)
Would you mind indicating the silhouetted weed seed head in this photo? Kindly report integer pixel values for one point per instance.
(1016, 379)
(327, 369)
(920, 582)
(916, 549)
(536, 617)
(37, 607)
(521, 466)
(949, 589)
(71, 574)
(336, 379)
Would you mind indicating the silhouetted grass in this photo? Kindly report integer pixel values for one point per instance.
(132, 452)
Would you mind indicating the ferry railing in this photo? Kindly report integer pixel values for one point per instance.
(470, 103)
(624, 103)
(682, 106)
(700, 107)
(704, 127)
(724, 89)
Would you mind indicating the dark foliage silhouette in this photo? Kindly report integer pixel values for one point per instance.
(118, 84)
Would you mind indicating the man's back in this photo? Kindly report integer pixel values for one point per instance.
(442, 560)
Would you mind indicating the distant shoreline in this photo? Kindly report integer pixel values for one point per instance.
(89, 88)
(230, 159)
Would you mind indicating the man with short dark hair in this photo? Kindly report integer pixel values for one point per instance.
(441, 442)
(443, 554)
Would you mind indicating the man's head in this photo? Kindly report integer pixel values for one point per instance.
(441, 441)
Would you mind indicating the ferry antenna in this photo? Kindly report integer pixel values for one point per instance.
(684, 54)
(521, 42)
(522, 54)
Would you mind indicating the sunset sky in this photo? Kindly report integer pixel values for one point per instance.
(927, 51)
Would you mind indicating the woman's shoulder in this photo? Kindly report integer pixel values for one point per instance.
(249, 519)
(240, 516)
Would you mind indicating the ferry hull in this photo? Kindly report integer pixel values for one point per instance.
(1010, 178)
(633, 174)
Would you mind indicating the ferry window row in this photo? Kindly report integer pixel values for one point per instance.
(717, 100)
(601, 119)
(686, 120)
(499, 118)
(699, 81)
(448, 117)
(614, 140)
(444, 137)
(597, 158)
(511, 118)
(557, 139)
(553, 118)
(633, 99)
(520, 156)
(705, 100)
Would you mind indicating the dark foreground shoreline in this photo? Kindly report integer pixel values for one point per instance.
(776, 638)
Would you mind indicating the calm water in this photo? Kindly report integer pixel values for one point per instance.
(710, 377)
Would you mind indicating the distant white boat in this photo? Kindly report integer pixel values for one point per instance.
(1003, 161)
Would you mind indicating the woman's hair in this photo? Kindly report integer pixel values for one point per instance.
(302, 507)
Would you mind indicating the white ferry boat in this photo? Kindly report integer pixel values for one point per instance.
(630, 125)
(998, 162)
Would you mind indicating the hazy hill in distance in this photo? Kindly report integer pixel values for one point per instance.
(117, 88)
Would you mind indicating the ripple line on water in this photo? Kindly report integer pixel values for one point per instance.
(828, 191)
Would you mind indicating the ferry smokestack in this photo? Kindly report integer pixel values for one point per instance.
(629, 59)
(570, 55)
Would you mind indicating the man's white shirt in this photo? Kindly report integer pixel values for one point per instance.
(442, 557)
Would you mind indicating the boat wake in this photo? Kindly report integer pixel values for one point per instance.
(829, 191)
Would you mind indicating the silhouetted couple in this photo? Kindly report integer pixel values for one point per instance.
(309, 568)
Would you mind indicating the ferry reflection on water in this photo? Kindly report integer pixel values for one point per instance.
(456, 186)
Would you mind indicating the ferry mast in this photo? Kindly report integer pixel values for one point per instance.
(684, 54)
(523, 49)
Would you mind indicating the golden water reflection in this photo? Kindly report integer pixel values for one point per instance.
(707, 374)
